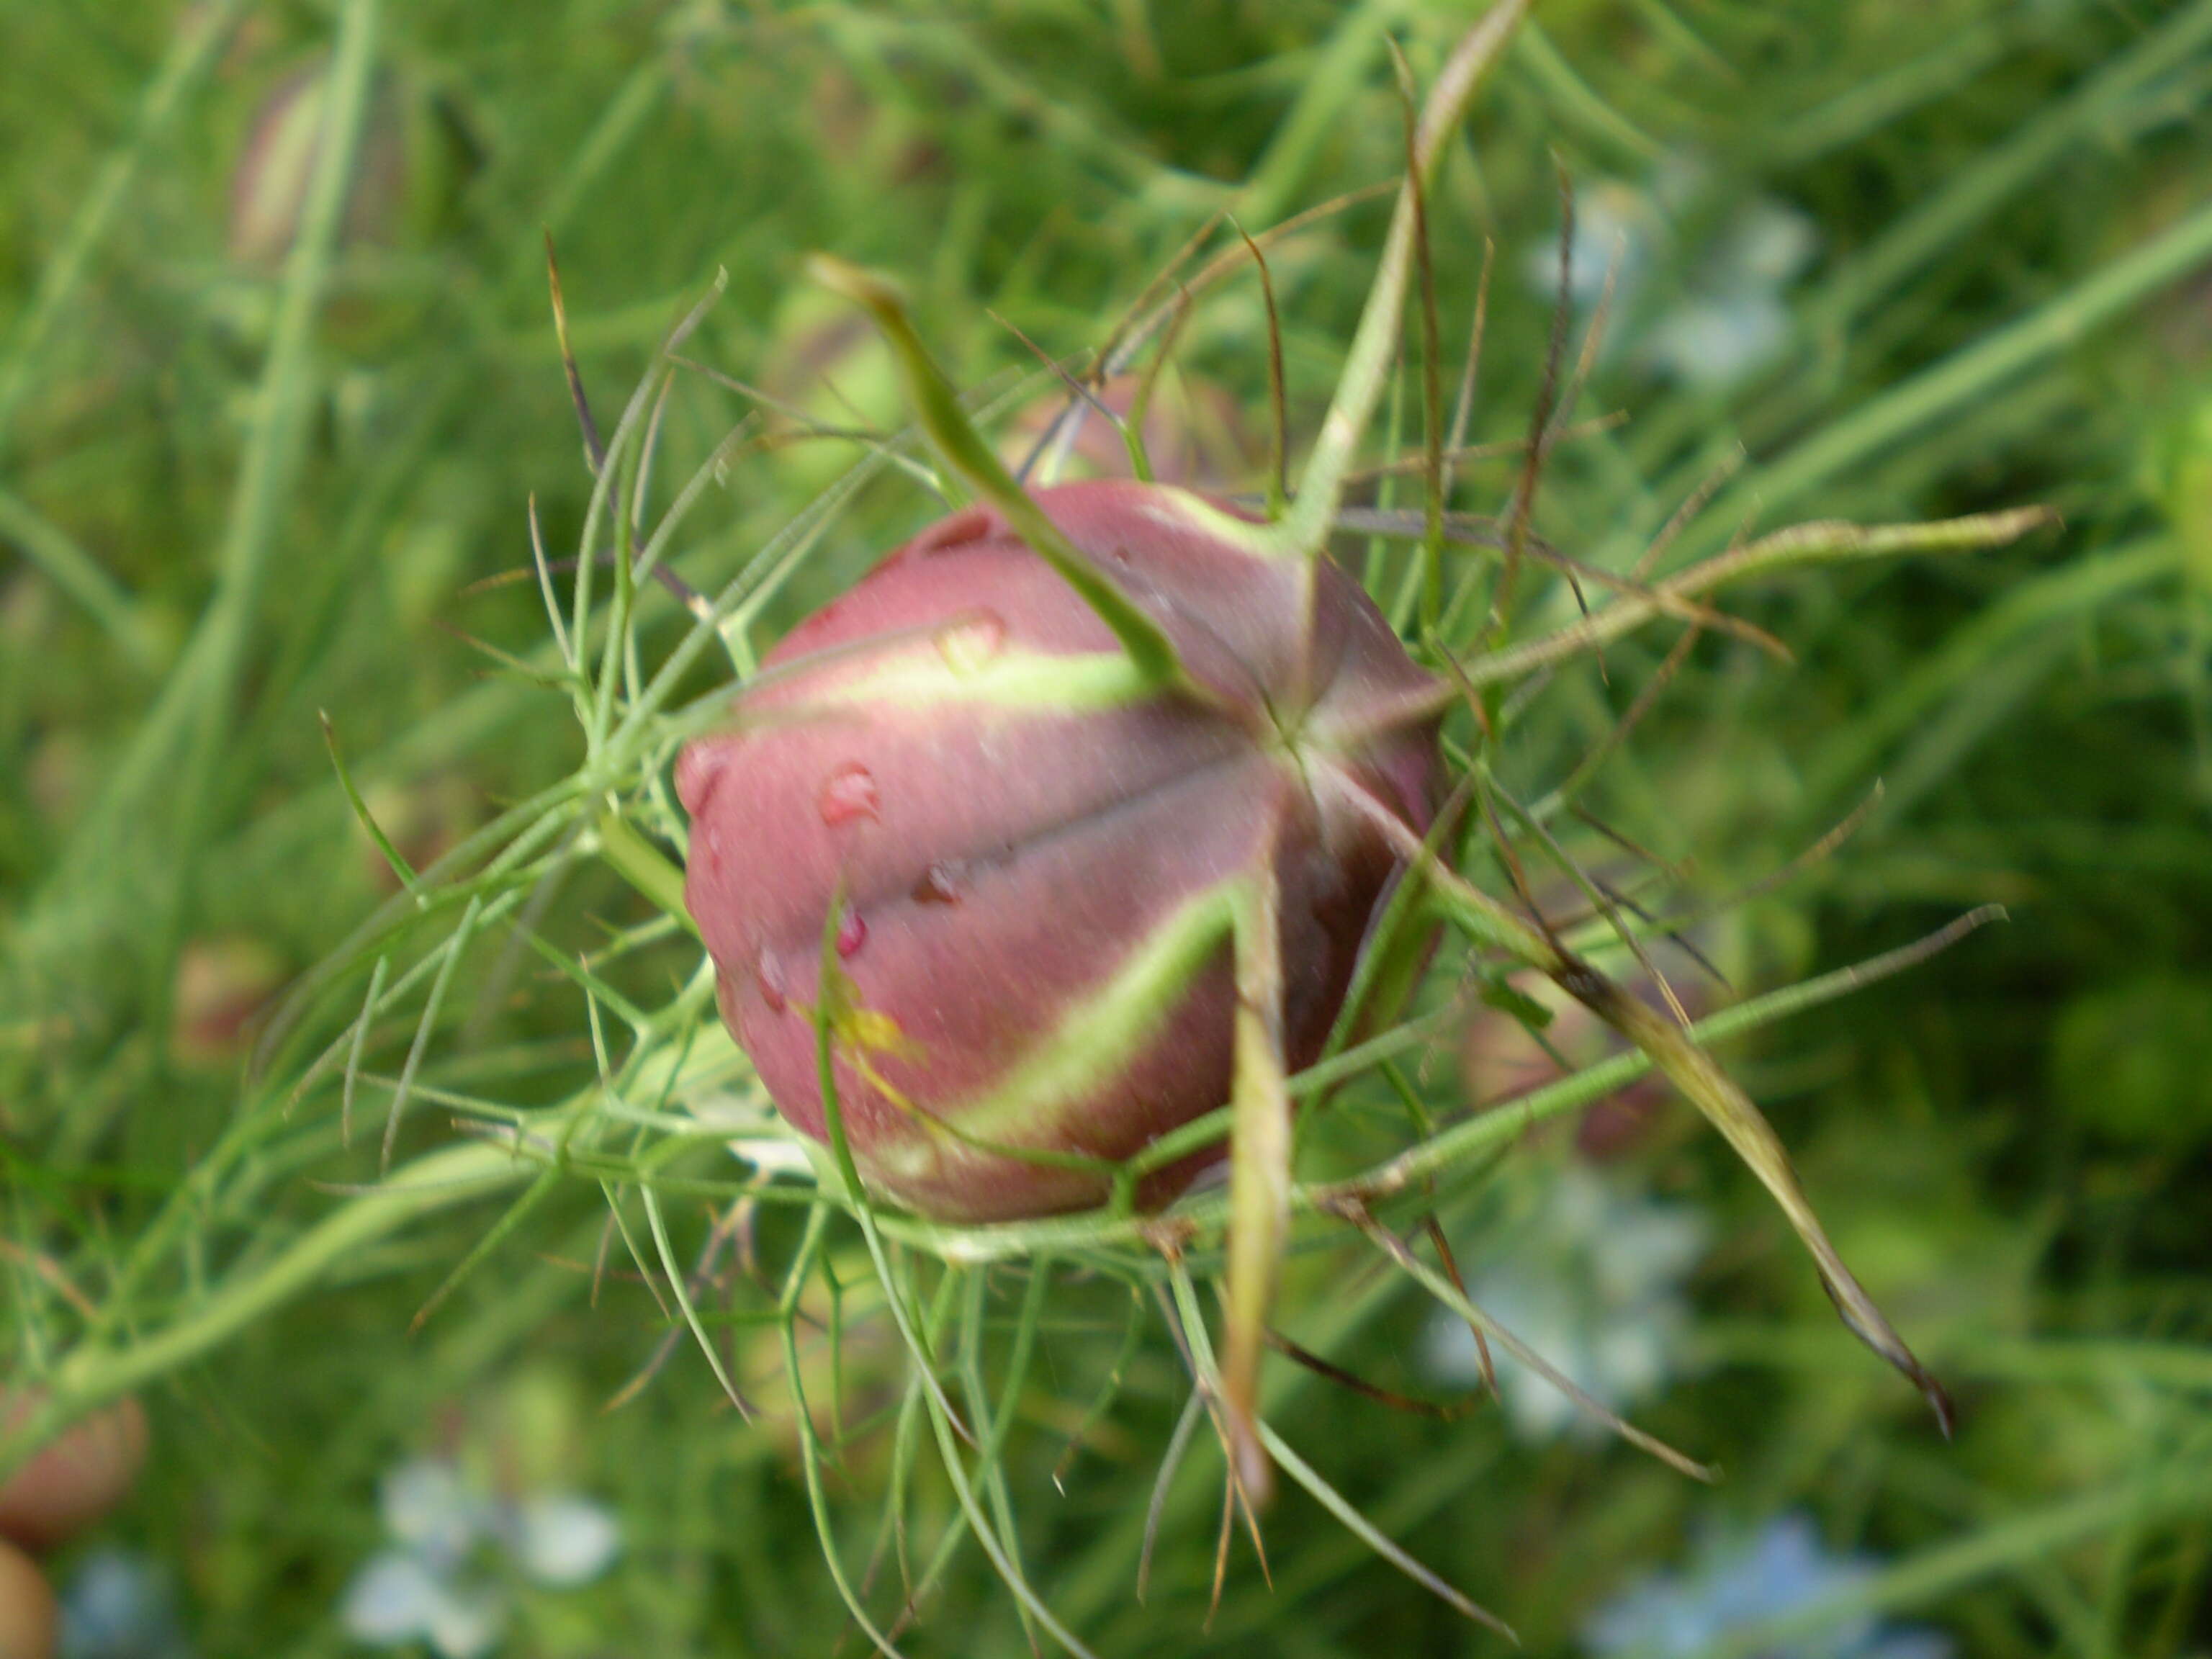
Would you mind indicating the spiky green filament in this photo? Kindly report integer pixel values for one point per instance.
(1828, 541)
(1676, 1056)
(1260, 1174)
(963, 451)
(1745, 1128)
(1305, 530)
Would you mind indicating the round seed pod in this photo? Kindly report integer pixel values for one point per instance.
(1029, 854)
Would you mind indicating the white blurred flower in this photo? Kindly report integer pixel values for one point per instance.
(1730, 317)
(431, 1511)
(1594, 1285)
(1735, 321)
(563, 1539)
(399, 1598)
(1717, 342)
(1618, 230)
(432, 1586)
(1734, 1584)
(1769, 242)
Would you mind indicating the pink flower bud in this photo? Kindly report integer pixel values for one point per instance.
(1030, 847)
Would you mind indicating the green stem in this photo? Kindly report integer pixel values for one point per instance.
(1463, 1144)
(937, 406)
(195, 52)
(91, 1375)
(274, 449)
(81, 576)
(642, 865)
(2168, 1494)
(1367, 365)
(1974, 371)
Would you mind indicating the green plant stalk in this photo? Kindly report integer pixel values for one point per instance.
(1970, 374)
(809, 1449)
(481, 711)
(994, 1424)
(1802, 543)
(1332, 82)
(1870, 104)
(2169, 1494)
(1304, 531)
(633, 564)
(2087, 115)
(616, 129)
(91, 1375)
(607, 500)
(1459, 1145)
(190, 59)
(640, 863)
(2118, 1363)
(181, 743)
(974, 464)
(1259, 1174)
(2069, 592)
(1686, 1064)
(79, 575)
(1574, 98)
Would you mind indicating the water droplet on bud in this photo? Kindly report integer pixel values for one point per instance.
(938, 884)
(849, 794)
(697, 773)
(969, 644)
(852, 934)
(769, 976)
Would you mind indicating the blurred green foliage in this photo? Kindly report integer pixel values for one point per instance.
(241, 482)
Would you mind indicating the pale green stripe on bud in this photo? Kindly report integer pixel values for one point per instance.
(1096, 1036)
(1022, 680)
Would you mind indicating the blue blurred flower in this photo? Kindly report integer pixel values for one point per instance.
(1593, 1283)
(120, 1604)
(1732, 1585)
(433, 1584)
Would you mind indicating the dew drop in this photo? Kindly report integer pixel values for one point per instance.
(968, 525)
(852, 934)
(969, 644)
(849, 794)
(698, 771)
(938, 884)
(769, 976)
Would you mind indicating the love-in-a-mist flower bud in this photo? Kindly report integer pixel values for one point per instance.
(1086, 799)
(1034, 855)
(1069, 824)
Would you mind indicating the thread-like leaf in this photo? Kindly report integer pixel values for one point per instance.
(962, 450)
(1260, 1174)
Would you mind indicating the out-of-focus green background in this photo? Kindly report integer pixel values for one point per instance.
(1916, 260)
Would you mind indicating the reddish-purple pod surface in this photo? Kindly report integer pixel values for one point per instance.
(1037, 853)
